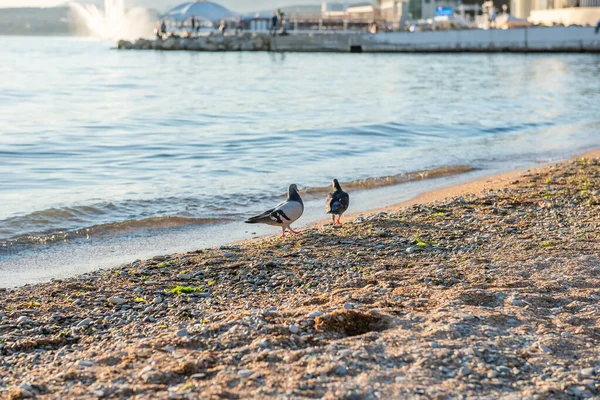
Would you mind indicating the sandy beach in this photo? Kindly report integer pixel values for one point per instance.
(489, 289)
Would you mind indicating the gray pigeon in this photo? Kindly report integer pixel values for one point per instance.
(337, 202)
(284, 214)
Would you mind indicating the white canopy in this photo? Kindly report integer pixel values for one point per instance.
(199, 9)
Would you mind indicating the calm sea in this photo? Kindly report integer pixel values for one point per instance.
(108, 155)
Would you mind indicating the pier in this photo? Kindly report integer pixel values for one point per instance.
(517, 40)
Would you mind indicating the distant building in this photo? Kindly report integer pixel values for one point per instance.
(557, 12)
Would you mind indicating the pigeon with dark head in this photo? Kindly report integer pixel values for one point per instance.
(337, 202)
(284, 214)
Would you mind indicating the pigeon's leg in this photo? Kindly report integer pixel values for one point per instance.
(339, 222)
(292, 231)
(333, 219)
(282, 231)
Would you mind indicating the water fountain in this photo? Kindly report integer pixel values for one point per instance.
(114, 22)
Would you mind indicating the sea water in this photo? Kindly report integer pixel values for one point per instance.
(107, 155)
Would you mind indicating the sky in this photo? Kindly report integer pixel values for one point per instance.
(235, 5)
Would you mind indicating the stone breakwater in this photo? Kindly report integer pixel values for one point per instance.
(524, 40)
(242, 42)
(494, 295)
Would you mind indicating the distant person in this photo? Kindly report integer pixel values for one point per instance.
(193, 23)
(163, 29)
(223, 27)
(374, 28)
(493, 17)
(274, 23)
(240, 25)
(597, 27)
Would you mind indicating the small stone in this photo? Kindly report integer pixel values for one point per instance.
(157, 300)
(198, 376)
(464, 371)
(409, 250)
(264, 342)
(117, 300)
(23, 320)
(516, 302)
(294, 329)
(492, 374)
(434, 345)
(244, 373)
(315, 314)
(184, 277)
(587, 371)
(182, 333)
(159, 258)
(98, 393)
(545, 349)
(24, 394)
(341, 370)
(348, 306)
(228, 254)
(85, 322)
(84, 363)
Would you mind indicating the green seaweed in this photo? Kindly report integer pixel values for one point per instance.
(185, 289)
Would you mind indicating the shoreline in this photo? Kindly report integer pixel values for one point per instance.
(491, 294)
(100, 258)
(475, 186)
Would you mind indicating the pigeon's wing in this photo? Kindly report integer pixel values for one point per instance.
(329, 202)
(339, 203)
(260, 217)
(284, 214)
(288, 212)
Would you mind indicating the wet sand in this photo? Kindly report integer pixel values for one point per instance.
(488, 289)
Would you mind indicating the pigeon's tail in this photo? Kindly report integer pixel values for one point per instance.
(257, 219)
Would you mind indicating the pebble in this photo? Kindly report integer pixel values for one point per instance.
(157, 300)
(545, 349)
(587, 371)
(184, 277)
(315, 314)
(159, 258)
(23, 320)
(85, 322)
(409, 250)
(348, 306)
(117, 300)
(464, 371)
(244, 373)
(182, 333)
(294, 328)
(84, 363)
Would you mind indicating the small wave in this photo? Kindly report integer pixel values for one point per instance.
(374, 183)
(111, 229)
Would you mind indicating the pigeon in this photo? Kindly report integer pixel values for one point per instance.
(337, 202)
(284, 214)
